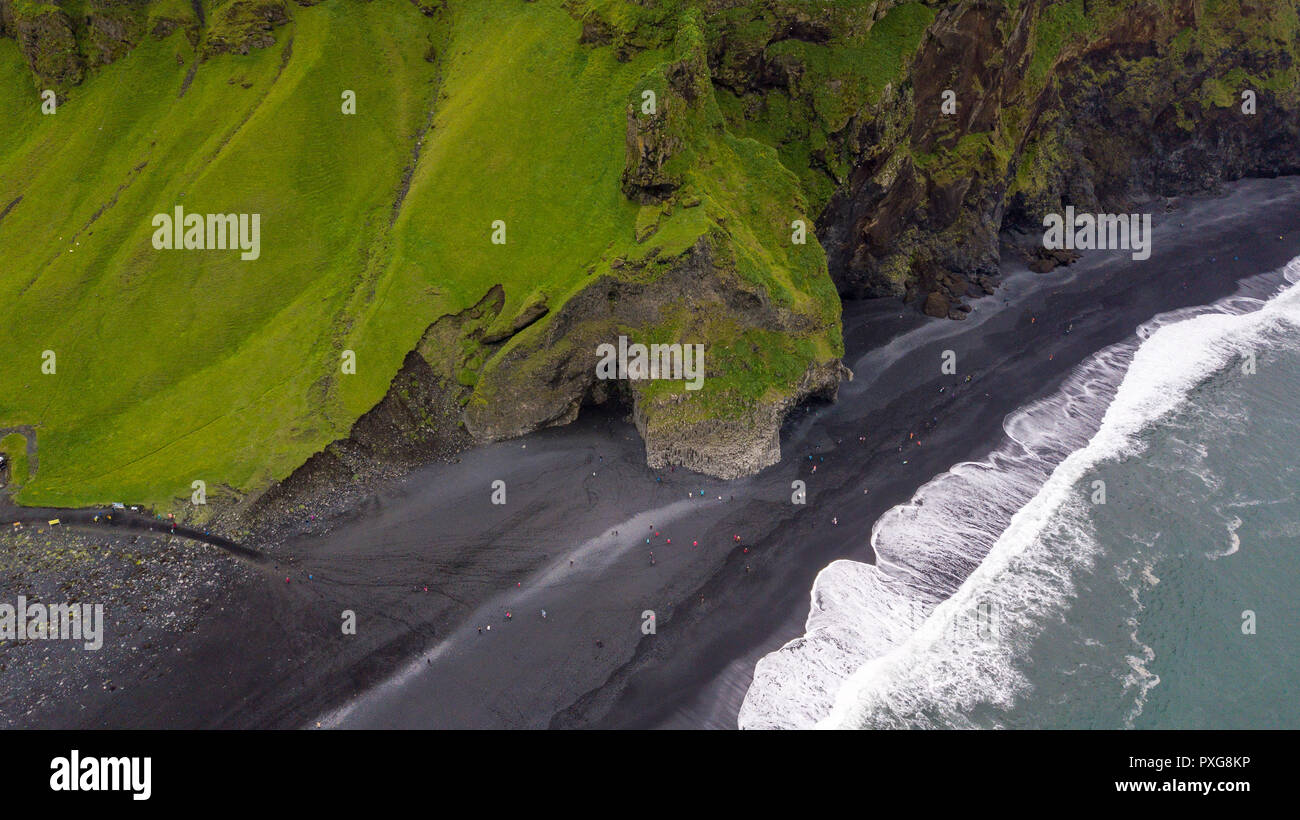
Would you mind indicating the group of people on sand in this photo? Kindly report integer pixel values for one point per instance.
(509, 615)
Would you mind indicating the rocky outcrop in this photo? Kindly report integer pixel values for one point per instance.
(113, 28)
(46, 39)
(244, 25)
(436, 405)
(733, 446)
(550, 375)
(660, 128)
(649, 145)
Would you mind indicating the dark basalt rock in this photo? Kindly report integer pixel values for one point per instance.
(1123, 115)
(649, 146)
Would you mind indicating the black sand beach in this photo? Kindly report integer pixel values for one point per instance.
(426, 563)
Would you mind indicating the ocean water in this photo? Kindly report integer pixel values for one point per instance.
(1129, 555)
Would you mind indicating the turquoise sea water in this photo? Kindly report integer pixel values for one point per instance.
(1138, 546)
(1189, 615)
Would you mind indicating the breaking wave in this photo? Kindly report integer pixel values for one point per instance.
(970, 568)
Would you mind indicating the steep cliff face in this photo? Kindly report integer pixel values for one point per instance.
(654, 163)
(1154, 106)
(1097, 103)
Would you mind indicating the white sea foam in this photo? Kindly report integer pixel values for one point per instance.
(1006, 533)
(1234, 541)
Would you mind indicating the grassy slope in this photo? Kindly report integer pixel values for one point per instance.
(739, 181)
(176, 366)
(529, 131)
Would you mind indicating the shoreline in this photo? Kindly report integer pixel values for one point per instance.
(427, 559)
(1196, 280)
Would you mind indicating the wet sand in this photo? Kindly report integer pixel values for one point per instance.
(427, 563)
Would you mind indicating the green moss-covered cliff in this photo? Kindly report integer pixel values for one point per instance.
(669, 221)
